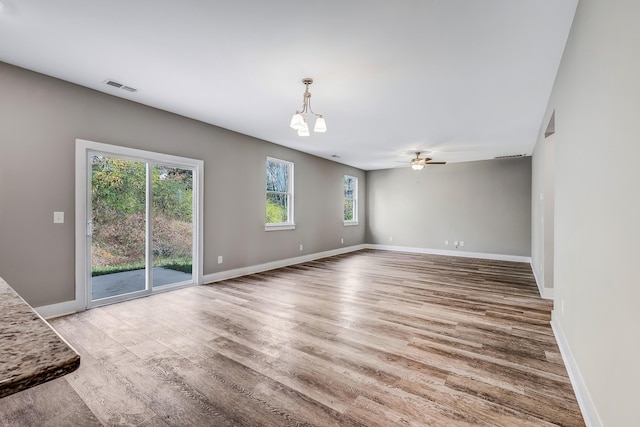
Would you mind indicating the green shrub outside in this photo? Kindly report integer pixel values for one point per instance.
(118, 213)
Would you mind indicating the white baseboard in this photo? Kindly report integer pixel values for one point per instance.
(546, 293)
(481, 255)
(589, 412)
(57, 310)
(243, 271)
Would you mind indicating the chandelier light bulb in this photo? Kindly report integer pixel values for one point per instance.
(304, 130)
(321, 125)
(297, 121)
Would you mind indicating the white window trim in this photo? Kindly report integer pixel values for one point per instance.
(280, 226)
(355, 204)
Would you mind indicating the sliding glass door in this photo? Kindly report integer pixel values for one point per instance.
(142, 223)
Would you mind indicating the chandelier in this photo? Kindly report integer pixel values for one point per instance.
(299, 119)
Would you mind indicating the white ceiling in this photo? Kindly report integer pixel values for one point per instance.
(465, 79)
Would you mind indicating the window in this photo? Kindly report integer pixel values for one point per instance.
(350, 200)
(279, 213)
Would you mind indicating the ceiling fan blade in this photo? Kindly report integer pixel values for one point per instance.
(436, 163)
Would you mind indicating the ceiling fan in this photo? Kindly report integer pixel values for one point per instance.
(419, 163)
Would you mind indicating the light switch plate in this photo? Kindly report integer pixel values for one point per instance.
(58, 217)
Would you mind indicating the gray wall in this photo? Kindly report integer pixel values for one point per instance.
(40, 119)
(487, 204)
(596, 99)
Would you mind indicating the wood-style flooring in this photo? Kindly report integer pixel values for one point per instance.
(371, 338)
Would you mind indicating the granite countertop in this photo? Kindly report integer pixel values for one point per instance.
(31, 352)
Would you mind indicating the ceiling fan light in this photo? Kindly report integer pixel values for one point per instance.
(297, 121)
(417, 164)
(321, 125)
(304, 130)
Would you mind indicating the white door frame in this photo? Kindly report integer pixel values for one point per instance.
(83, 184)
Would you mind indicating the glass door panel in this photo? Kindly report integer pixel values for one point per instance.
(172, 218)
(117, 227)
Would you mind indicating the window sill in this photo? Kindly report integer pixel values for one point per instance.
(350, 223)
(279, 227)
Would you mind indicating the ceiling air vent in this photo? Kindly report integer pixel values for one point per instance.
(512, 156)
(120, 85)
(114, 84)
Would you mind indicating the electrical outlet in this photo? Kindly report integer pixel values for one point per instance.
(461, 243)
(58, 217)
(341, 241)
(456, 243)
(446, 243)
(300, 246)
(220, 259)
(390, 239)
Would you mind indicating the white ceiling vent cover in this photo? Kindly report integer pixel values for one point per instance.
(118, 85)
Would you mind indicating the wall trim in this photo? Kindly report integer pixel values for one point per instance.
(243, 271)
(539, 284)
(546, 293)
(587, 407)
(57, 310)
(481, 255)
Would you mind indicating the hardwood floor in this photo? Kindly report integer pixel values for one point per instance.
(371, 338)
